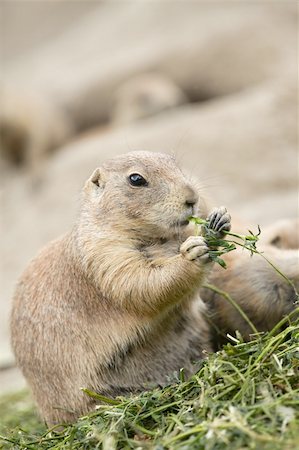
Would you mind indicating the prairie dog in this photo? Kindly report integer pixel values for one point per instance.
(114, 305)
(144, 96)
(262, 293)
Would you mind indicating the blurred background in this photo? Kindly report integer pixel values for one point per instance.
(215, 83)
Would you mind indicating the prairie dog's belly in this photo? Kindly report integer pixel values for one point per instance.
(175, 343)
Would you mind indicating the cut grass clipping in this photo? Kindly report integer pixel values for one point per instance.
(245, 396)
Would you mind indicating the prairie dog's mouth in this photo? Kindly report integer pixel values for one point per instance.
(180, 223)
(183, 223)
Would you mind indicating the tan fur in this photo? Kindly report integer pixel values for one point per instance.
(113, 305)
(144, 96)
(283, 234)
(263, 294)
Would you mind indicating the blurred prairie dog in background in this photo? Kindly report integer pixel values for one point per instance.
(144, 96)
(114, 305)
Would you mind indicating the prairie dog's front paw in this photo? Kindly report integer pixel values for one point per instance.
(195, 249)
(219, 221)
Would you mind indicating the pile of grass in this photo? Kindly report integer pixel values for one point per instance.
(244, 397)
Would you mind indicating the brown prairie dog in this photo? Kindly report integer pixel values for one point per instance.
(113, 305)
(262, 293)
(144, 96)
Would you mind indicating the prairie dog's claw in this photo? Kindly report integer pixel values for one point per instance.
(195, 249)
(219, 221)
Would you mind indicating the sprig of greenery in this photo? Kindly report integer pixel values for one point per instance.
(220, 246)
(244, 396)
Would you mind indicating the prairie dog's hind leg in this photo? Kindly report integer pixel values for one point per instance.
(262, 293)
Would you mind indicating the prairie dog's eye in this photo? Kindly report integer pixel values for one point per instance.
(137, 180)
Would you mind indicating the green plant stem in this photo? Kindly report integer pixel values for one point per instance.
(287, 279)
(233, 303)
(248, 242)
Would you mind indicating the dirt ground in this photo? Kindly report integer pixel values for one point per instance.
(220, 93)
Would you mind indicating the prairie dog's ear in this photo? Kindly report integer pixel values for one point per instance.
(97, 179)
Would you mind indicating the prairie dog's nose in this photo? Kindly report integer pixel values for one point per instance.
(191, 196)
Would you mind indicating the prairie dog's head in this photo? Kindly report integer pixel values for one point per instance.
(143, 193)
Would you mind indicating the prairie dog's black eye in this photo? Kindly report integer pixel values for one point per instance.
(137, 180)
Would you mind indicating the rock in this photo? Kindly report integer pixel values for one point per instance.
(207, 50)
